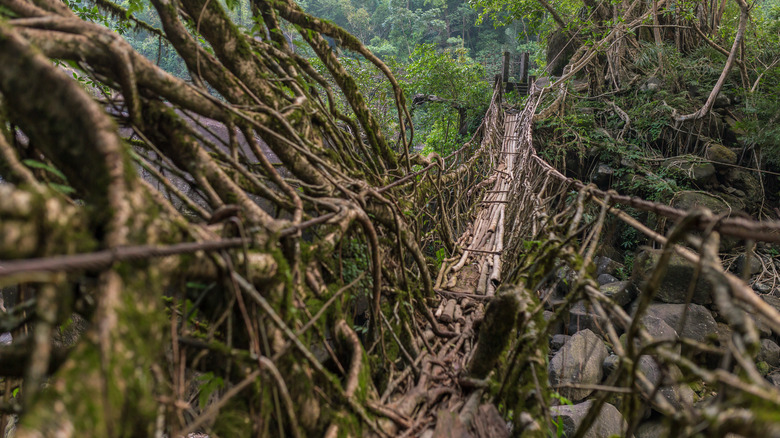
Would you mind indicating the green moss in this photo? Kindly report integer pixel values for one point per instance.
(234, 420)
(763, 368)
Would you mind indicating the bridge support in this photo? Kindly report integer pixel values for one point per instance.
(522, 86)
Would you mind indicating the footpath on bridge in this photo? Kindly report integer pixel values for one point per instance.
(452, 404)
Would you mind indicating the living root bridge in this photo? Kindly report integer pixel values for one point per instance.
(555, 239)
(187, 286)
(243, 328)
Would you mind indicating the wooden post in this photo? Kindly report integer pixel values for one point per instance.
(523, 74)
(505, 68)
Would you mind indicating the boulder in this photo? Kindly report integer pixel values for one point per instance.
(652, 429)
(676, 279)
(734, 130)
(560, 48)
(578, 362)
(699, 323)
(754, 265)
(764, 329)
(660, 330)
(772, 301)
(692, 169)
(769, 353)
(621, 292)
(605, 265)
(558, 341)
(602, 176)
(610, 364)
(652, 85)
(608, 423)
(678, 395)
(774, 378)
(720, 155)
(722, 100)
(556, 325)
(582, 316)
(688, 200)
(746, 181)
(762, 288)
(605, 279)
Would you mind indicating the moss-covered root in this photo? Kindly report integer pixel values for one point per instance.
(500, 318)
(107, 387)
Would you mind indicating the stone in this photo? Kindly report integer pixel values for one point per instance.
(605, 278)
(769, 353)
(652, 85)
(688, 200)
(566, 277)
(578, 362)
(774, 378)
(718, 203)
(719, 155)
(602, 176)
(581, 317)
(605, 265)
(652, 429)
(755, 265)
(722, 101)
(6, 338)
(764, 329)
(660, 330)
(560, 48)
(762, 288)
(608, 422)
(746, 181)
(772, 301)
(556, 326)
(628, 163)
(692, 169)
(489, 423)
(678, 395)
(699, 323)
(723, 333)
(734, 200)
(621, 292)
(733, 127)
(676, 280)
(558, 341)
(610, 364)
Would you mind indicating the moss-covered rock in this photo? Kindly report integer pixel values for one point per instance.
(688, 167)
(746, 181)
(608, 422)
(578, 362)
(720, 154)
(688, 200)
(676, 280)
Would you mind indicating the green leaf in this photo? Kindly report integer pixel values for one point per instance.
(211, 383)
(196, 285)
(39, 165)
(62, 188)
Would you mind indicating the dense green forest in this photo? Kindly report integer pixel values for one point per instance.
(445, 49)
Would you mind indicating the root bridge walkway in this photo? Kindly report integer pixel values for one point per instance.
(523, 199)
